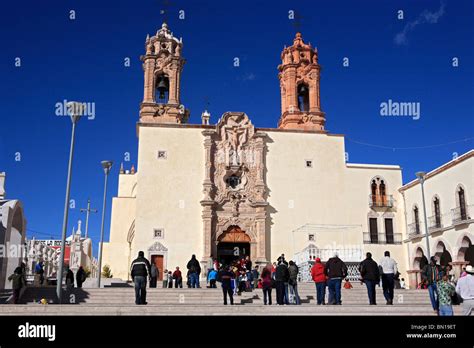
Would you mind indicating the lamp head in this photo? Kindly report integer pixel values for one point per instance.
(420, 175)
(75, 110)
(106, 165)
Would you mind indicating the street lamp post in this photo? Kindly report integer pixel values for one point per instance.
(421, 176)
(106, 165)
(74, 111)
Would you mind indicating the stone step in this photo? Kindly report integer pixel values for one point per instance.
(29, 310)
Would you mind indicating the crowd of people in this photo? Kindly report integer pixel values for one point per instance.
(239, 276)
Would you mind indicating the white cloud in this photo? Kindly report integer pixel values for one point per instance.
(425, 17)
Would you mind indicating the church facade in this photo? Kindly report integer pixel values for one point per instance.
(232, 189)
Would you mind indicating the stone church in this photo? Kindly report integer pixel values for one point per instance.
(231, 189)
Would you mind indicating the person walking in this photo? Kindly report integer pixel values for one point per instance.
(69, 278)
(465, 290)
(267, 285)
(431, 274)
(154, 274)
(388, 270)
(140, 269)
(225, 278)
(319, 277)
(282, 275)
(194, 269)
(18, 282)
(81, 277)
(336, 271)
(293, 282)
(369, 271)
(170, 280)
(445, 292)
(178, 278)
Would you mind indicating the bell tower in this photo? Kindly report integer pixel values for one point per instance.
(299, 85)
(162, 66)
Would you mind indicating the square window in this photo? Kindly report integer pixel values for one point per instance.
(311, 237)
(162, 154)
(158, 233)
(309, 163)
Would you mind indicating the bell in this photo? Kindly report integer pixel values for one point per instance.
(303, 89)
(162, 88)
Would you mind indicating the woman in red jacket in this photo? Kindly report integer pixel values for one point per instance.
(319, 277)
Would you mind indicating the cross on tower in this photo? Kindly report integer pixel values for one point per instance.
(297, 21)
(88, 211)
(165, 9)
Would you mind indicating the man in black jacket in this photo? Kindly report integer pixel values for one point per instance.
(139, 271)
(194, 269)
(225, 276)
(282, 276)
(369, 271)
(336, 271)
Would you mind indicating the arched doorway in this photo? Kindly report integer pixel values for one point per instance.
(466, 251)
(442, 254)
(420, 259)
(232, 245)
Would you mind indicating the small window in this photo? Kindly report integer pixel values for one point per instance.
(158, 233)
(162, 154)
(311, 237)
(309, 164)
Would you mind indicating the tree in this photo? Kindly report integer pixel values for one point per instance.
(106, 272)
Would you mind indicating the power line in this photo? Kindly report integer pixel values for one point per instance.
(40, 233)
(410, 147)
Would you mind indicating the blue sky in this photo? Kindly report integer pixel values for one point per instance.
(83, 59)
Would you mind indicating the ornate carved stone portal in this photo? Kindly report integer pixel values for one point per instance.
(235, 193)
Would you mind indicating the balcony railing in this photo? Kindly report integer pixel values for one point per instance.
(434, 223)
(461, 214)
(381, 201)
(382, 238)
(414, 229)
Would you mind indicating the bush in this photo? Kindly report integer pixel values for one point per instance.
(106, 272)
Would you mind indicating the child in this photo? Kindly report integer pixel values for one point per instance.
(347, 284)
(402, 284)
(211, 278)
(170, 280)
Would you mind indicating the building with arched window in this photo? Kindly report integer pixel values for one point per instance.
(226, 189)
(449, 190)
(200, 187)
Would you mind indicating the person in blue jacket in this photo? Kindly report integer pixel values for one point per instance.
(212, 278)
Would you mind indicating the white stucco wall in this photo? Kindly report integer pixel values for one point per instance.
(169, 192)
(442, 182)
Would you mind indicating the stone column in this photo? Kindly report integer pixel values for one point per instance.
(148, 66)
(173, 80)
(458, 266)
(207, 202)
(414, 278)
(292, 98)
